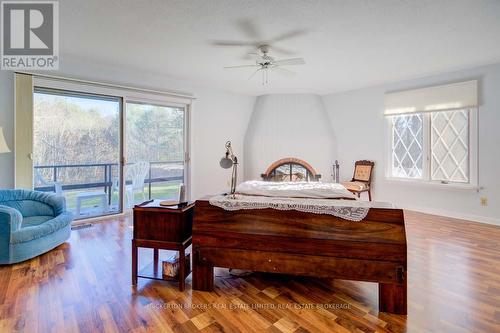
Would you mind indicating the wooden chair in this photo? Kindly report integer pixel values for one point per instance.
(361, 181)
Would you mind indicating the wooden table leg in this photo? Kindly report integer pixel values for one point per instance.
(392, 298)
(203, 274)
(182, 269)
(134, 263)
(155, 261)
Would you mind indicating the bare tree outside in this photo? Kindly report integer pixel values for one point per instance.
(77, 145)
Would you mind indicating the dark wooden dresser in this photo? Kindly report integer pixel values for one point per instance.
(161, 228)
(299, 243)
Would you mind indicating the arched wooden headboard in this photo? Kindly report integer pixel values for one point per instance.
(290, 169)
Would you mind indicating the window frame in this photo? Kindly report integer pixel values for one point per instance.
(186, 109)
(38, 89)
(124, 93)
(391, 146)
(427, 154)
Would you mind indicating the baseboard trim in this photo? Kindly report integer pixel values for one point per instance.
(454, 215)
(99, 219)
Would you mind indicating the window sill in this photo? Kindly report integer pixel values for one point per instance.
(422, 183)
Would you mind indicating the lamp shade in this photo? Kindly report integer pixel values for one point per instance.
(3, 145)
(226, 163)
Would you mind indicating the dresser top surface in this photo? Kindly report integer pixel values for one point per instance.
(155, 205)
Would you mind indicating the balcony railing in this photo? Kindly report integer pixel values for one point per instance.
(108, 179)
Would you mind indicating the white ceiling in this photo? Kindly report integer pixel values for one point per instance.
(348, 44)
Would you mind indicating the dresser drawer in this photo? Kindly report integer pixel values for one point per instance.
(297, 264)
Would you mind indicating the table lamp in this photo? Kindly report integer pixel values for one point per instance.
(227, 161)
(3, 145)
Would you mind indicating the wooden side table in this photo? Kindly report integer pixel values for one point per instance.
(161, 228)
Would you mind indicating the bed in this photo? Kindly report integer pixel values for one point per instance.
(291, 236)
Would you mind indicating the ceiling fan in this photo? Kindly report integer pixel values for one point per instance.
(264, 63)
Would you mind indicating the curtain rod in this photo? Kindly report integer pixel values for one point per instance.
(111, 85)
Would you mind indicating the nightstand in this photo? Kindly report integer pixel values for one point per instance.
(161, 228)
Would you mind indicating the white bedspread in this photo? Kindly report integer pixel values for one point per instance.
(294, 190)
(352, 210)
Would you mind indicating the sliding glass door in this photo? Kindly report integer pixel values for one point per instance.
(155, 151)
(107, 152)
(77, 150)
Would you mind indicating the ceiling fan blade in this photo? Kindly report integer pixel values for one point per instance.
(249, 28)
(287, 62)
(241, 66)
(231, 43)
(250, 55)
(253, 74)
(283, 71)
(287, 35)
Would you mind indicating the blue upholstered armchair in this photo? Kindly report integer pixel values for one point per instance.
(31, 223)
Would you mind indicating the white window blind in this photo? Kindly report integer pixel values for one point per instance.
(438, 98)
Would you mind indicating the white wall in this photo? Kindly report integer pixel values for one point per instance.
(360, 127)
(297, 125)
(216, 116)
(289, 126)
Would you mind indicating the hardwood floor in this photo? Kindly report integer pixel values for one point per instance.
(84, 285)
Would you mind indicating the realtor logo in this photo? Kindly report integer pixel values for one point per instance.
(30, 35)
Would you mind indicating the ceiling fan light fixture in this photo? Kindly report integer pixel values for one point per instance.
(263, 61)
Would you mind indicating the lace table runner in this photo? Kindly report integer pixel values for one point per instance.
(351, 210)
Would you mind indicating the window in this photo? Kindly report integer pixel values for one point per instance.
(433, 133)
(450, 146)
(434, 146)
(290, 169)
(76, 150)
(407, 146)
(103, 147)
(156, 135)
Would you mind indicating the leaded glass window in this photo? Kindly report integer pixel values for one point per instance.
(407, 146)
(450, 146)
(434, 146)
